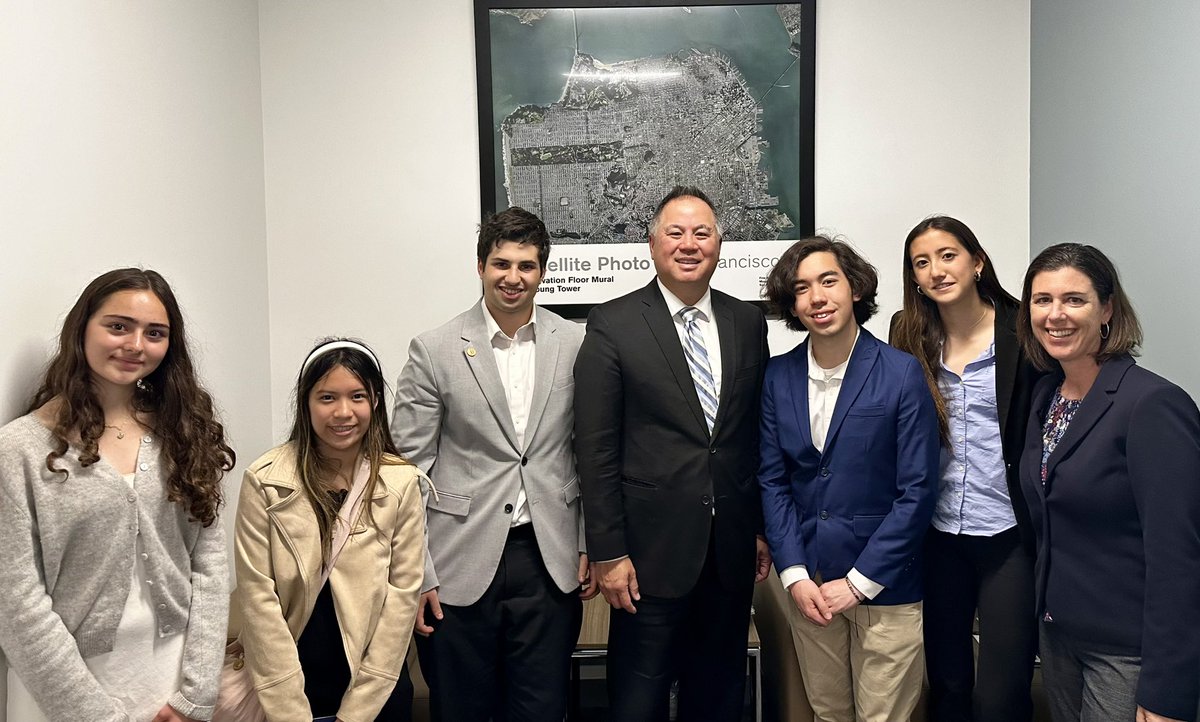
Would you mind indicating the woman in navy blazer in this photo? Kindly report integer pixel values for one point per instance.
(1111, 472)
(960, 323)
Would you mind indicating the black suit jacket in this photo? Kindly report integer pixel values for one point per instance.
(1118, 540)
(650, 472)
(1015, 379)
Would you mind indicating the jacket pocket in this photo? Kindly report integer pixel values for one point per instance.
(447, 503)
(571, 491)
(865, 525)
(638, 489)
(866, 411)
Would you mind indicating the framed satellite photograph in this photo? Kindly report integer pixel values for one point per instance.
(590, 113)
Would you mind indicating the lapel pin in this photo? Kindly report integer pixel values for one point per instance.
(471, 351)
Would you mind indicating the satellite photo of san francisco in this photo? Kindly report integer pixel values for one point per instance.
(600, 111)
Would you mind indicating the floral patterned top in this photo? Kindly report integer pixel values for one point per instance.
(1058, 418)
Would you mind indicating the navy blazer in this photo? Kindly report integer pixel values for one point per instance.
(866, 501)
(1118, 526)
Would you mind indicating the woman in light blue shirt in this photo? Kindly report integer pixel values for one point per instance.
(960, 324)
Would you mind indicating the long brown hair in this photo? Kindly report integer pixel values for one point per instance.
(918, 328)
(377, 446)
(195, 452)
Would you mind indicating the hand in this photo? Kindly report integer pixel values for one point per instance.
(169, 714)
(762, 561)
(428, 599)
(1145, 715)
(807, 597)
(587, 590)
(838, 596)
(618, 583)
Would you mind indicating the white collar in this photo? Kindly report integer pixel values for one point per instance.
(674, 305)
(494, 328)
(817, 372)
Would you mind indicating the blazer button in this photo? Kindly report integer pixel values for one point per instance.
(713, 450)
(524, 460)
(824, 471)
(706, 500)
(824, 514)
(508, 508)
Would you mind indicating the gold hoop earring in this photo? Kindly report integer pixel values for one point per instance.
(977, 276)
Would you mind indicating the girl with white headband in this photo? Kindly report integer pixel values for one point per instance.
(329, 552)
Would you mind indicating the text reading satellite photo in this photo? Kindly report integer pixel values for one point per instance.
(630, 119)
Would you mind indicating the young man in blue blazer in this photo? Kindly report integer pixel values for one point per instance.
(848, 476)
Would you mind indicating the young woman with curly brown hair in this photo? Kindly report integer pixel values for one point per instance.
(114, 575)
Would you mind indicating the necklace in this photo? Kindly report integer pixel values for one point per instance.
(120, 429)
(981, 315)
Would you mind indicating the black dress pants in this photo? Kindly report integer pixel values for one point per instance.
(699, 639)
(994, 575)
(507, 657)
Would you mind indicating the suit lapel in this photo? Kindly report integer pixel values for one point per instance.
(727, 332)
(798, 380)
(662, 327)
(862, 360)
(1031, 457)
(1097, 401)
(477, 352)
(1007, 358)
(545, 349)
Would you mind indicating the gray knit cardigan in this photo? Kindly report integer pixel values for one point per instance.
(68, 546)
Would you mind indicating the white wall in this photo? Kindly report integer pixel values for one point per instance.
(922, 109)
(372, 156)
(131, 134)
(372, 175)
(1116, 156)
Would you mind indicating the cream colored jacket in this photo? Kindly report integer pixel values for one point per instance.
(375, 584)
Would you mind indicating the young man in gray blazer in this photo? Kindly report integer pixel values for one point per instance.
(484, 405)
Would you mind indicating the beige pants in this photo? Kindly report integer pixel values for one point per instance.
(869, 661)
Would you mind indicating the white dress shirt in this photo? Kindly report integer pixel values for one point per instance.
(515, 359)
(824, 385)
(708, 329)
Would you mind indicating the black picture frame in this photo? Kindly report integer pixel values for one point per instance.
(803, 47)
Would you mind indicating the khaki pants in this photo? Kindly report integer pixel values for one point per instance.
(869, 661)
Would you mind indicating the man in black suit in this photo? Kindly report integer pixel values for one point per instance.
(666, 436)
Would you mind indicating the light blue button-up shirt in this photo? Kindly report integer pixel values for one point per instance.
(973, 492)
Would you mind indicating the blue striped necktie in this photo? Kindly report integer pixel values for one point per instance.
(697, 358)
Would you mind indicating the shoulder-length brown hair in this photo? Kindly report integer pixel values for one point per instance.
(195, 452)
(918, 328)
(1125, 331)
(377, 448)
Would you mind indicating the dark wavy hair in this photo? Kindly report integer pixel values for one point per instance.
(780, 289)
(1125, 331)
(517, 225)
(377, 445)
(918, 327)
(195, 452)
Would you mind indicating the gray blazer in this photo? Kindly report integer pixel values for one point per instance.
(451, 419)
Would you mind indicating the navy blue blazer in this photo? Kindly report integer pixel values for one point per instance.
(1118, 526)
(866, 501)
